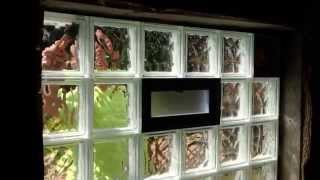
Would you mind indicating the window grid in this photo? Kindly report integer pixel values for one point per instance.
(87, 77)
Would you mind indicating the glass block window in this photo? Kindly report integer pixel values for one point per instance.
(120, 168)
(265, 98)
(60, 162)
(233, 175)
(233, 145)
(201, 53)
(92, 93)
(263, 172)
(235, 101)
(237, 54)
(161, 50)
(159, 155)
(114, 47)
(198, 147)
(263, 140)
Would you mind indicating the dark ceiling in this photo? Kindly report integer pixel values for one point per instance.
(271, 11)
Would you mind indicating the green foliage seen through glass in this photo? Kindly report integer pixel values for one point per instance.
(111, 106)
(60, 162)
(111, 160)
(60, 108)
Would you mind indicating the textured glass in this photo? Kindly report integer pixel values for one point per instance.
(264, 101)
(60, 162)
(60, 46)
(266, 172)
(231, 99)
(232, 55)
(158, 51)
(60, 108)
(234, 175)
(157, 155)
(196, 149)
(112, 47)
(197, 53)
(111, 106)
(111, 160)
(263, 141)
(229, 145)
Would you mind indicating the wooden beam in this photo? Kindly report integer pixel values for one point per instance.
(169, 16)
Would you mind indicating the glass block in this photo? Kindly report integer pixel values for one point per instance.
(263, 141)
(158, 153)
(232, 145)
(201, 52)
(115, 46)
(111, 159)
(60, 162)
(235, 100)
(201, 178)
(233, 175)
(198, 146)
(264, 172)
(161, 50)
(61, 42)
(237, 54)
(111, 105)
(60, 108)
(265, 100)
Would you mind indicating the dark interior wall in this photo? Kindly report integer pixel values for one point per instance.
(31, 122)
(311, 98)
(290, 109)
